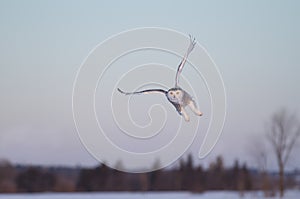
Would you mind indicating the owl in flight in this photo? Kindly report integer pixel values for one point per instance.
(176, 95)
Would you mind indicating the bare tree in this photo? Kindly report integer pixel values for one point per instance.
(259, 153)
(283, 132)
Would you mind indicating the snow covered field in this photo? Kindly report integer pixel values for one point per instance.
(146, 195)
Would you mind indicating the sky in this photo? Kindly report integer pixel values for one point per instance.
(255, 45)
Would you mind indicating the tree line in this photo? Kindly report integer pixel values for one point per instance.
(184, 177)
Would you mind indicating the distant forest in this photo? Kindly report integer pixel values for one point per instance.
(184, 177)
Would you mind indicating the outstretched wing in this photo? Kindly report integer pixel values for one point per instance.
(143, 91)
(182, 63)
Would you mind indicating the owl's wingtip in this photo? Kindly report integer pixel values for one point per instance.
(120, 91)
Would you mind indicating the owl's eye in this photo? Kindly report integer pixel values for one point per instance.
(171, 93)
(177, 92)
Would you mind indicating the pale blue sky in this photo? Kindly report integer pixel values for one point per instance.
(255, 44)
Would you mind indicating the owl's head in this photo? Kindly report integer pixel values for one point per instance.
(175, 95)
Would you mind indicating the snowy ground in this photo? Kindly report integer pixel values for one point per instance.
(146, 195)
